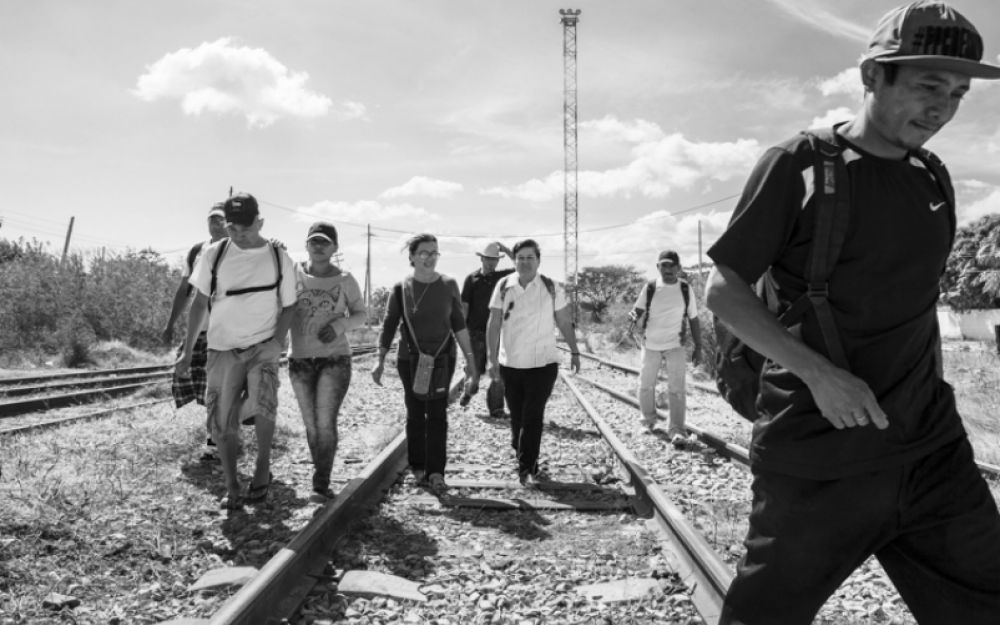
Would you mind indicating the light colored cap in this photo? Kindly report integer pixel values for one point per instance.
(492, 250)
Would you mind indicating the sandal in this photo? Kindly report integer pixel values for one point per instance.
(258, 493)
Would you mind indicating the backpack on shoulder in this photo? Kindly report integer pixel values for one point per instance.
(738, 367)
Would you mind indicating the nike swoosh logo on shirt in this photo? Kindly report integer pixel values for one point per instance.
(934, 206)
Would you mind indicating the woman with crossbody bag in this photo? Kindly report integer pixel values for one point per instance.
(427, 309)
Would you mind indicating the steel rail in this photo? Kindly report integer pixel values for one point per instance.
(989, 470)
(22, 406)
(282, 584)
(700, 566)
(722, 447)
(22, 429)
(37, 389)
(50, 377)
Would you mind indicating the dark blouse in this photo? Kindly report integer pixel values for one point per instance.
(435, 311)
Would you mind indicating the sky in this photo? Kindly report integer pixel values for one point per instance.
(436, 116)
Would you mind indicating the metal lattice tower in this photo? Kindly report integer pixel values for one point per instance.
(570, 224)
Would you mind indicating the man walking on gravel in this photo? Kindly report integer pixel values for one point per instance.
(661, 308)
(249, 285)
(525, 311)
(192, 387)
(476, 294)
(870, 458)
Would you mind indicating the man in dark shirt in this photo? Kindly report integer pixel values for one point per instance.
(872, 460)
(476, 294)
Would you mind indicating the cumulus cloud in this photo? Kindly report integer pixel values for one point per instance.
(988, 205)
(222, 77)
(423, 186)
(658, 163)
(847, 82)
(831, 117)
(364, 211)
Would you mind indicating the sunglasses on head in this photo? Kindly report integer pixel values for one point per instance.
(506, 315)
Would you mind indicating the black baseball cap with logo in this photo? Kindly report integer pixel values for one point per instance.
(241, 209)
(930, 34)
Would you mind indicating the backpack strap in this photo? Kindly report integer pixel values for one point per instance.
(414, 346)
(650, 290)
(686, 294)
(223, 245)
(831, 207)
(943, 180)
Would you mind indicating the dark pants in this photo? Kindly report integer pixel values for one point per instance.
(495, 392)
(932, 524)
(527, 391)
(426, 424)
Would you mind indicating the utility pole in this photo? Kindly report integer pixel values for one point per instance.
(368, 280)
(570, 222)
(69, 233)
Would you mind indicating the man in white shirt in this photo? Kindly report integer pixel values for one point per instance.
(250, 286)
(662, 313)
(525, 310)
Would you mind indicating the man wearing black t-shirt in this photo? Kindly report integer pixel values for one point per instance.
(872, 460)
(476, 294)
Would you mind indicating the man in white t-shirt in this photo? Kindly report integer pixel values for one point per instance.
(662, 314)
(250, 286)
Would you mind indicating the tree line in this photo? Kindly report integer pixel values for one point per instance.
(49, 306)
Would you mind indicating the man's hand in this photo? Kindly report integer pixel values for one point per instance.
(168, 335)
(494, 371)
(574, 363)
(696, 355)
(182, 367)
(377, 373)
(505, 249)
(846, 401)
(471, 377)
(633, 316)
(278, 244)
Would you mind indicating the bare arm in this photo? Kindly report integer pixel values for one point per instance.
(842, 398)
(180, 299)
(284, 323)
(493, 342)
(196, 317)
(565, 324)
(696, 337)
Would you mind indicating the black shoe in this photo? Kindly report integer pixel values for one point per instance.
(464, 401)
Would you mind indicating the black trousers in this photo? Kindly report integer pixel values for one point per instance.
(527, 391)
(932, 524)
(426, 424)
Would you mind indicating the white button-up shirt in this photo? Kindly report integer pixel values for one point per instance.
(527, 333)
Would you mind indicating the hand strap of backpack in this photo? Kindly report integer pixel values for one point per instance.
(831, 207)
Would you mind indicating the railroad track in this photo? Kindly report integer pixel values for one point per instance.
(24, 395)
(989, 470)
(485, 505)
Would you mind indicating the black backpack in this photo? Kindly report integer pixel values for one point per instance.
(685, 293)
(737, 367)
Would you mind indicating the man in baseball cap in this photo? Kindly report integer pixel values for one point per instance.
(476, 293)
(858, 448)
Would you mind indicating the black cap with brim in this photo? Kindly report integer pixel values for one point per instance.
(966, 67)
